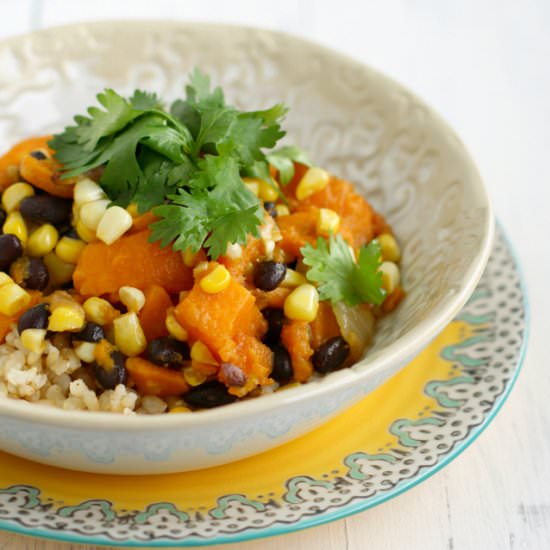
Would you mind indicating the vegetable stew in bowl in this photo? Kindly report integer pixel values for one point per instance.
(166, 260)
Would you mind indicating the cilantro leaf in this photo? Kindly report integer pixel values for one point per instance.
(184, 164)
(216, 209)
(198, 91)
(160, 178)
(367, 280)
(184, 223)
(284, 158)
(246, 138)
(342, 280)
(117, 114)
(143, 101)
(167, 141)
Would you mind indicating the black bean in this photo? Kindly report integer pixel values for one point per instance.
(275, 318)
(234, 376)
(331, 355)
(30, 272)
(269, 207)
(269, 274)
(120, 307)
(46, 209)
(10, 249)
(92, 332)
(3, 216)
(37, 276)
(35, 317)
(208, 395)
(109, 376)
(282, 365)
(39, 155)
(168, 352)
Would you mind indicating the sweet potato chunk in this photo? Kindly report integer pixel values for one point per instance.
(216, 318)
(153, 313)
(5, 326)
(133, 261)
(10, 161)
(295, 338)
(252, 357)
(45, 174)
(298, 229)
(151, 379)
(359, 221)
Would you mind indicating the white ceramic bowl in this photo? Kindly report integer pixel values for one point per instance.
(354, 121)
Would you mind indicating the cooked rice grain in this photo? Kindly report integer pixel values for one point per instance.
(57, 378)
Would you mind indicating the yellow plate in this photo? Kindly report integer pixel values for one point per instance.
(394, 438)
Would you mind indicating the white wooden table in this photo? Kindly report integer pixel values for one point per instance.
(486, 67)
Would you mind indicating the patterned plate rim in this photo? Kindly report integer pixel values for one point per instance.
(338, 513)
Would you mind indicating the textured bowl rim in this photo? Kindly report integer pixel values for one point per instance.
(406, 346)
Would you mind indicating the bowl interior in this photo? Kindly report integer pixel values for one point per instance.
(353, 121)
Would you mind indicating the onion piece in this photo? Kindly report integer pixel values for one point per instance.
(356, 326)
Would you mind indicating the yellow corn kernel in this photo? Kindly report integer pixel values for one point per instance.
(302, 303)
(13, 299)
(133, 298)
(293, 279)
(194, 377)
(201, 354)
(129, 336)
(85, 233)
(100, 311)
(315, 179)
(15, 225)
(113, 224)
(391, 276)
(234, 251)
(328, 221)
(190, 258)
(268, 191)
(68, 317)
(252, 185)
(389, 247)
(60, 272)
(132, 209)
(179, 409)
(282, 210)
(14, 194)
(34, 339)
(173, 327)
(87, 190)
(69, 249)
(85, 351)
(5, 279)
(216, 281)
(91, 213)
(42, 241)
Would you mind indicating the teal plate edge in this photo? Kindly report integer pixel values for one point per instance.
(333, 515)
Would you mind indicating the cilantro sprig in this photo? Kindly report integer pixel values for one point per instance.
(340, 278)
(184, 164)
